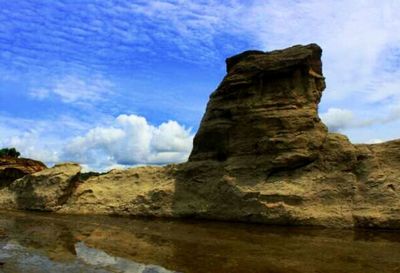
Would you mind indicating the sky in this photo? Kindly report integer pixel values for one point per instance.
(114, 83)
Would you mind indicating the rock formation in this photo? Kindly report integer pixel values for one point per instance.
(261, 155)
(264, 113)
(46, 190)
(147, 191)
(12, 168)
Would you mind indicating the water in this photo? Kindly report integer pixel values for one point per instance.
(38, 242)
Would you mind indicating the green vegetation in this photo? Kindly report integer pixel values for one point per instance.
(9, 152)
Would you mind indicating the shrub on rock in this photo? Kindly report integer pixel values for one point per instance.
(9, 152)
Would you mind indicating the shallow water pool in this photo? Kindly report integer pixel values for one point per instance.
(39, 242)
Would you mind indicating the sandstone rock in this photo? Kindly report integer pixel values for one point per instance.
(262, 155)
(46, 190)
(12, 168)
(264, 113)
(136, 191)
(377, 197)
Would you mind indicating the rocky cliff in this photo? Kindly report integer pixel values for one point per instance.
(261, 155)
(264, 113)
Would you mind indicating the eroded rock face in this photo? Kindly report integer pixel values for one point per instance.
(264, 113)
(377, 189)
(12, 168)
(263, 155)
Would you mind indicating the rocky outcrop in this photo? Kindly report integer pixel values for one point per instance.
(264, 113)
(261, 155)
(376, 202)
(46, 190)
(12, 168)
(147, 191)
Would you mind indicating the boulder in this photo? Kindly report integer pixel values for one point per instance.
(146, 191)
(46, 190)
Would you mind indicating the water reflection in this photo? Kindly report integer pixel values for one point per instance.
(110, 244)
(16, 258)
(95, 257)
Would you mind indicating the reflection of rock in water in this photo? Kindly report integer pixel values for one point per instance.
(97, 257)
(110, 244)
(55, 239)
(18, 259)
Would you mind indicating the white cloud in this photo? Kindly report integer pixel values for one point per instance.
(337, 119)
(131, 141)
(374, 141)
(32, 145)
(74, 89)
(39, 139)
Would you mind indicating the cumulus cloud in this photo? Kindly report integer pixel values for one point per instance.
(40, 139)
(32, 145)
(337, 119)
(131, 141)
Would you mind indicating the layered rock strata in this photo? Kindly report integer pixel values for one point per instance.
(261, 155)
(264, 113)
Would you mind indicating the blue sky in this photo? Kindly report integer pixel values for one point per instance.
(120, 83)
